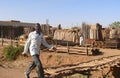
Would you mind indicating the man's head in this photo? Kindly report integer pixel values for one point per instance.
(38, 28)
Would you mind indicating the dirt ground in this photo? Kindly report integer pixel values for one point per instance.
(16, 69)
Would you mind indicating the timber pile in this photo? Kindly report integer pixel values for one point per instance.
(95, 32)
(67, 35)
(112, 43)
(112, 39)
(85, 32)
(96, 64)
(22, 39)
(115, 33)
(46, 29)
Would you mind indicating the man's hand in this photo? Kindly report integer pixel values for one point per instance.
(53, 49)
(24, 54)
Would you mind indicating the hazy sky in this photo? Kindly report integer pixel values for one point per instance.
(65, 12)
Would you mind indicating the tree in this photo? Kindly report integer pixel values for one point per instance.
(115, 24)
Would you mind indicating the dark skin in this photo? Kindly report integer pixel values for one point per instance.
(38, 28)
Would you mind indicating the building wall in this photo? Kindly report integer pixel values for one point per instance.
(10, 32)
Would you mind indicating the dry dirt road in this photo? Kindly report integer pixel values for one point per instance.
(16, 69)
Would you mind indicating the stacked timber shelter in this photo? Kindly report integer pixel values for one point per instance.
(63, 36)
(93, 32)
(72, 36)
(107, 37)
(14, 29)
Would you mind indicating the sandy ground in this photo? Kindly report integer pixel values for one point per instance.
(16, 69)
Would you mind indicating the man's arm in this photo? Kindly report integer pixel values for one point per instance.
(44, 42)
(27, 44)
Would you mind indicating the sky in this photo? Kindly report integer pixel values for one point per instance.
(68, 13)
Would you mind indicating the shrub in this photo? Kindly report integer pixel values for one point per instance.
(12, 52)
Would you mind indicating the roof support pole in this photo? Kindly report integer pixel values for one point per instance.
(11, 35)
(2, 35)
(68, 48)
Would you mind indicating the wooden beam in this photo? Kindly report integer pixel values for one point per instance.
(2, 35)
(11, 35)
(87, 50)
(68, 47)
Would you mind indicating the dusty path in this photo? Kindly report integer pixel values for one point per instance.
(15, 73)
(11, 73)
(17, 68)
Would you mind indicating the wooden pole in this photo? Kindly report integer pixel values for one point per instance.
(87, 50)
(89, 73)
(56, 43)
(68, 47)
(2, 35)
(11, 35)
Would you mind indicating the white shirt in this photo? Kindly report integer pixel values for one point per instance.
(81, 40)
(33, 43)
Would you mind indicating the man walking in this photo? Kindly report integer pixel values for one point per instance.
(33, 42)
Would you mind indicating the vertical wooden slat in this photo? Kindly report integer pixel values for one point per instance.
(68, 47)
(56, 43)
(87, 50)
(2, 35)
(11, 35)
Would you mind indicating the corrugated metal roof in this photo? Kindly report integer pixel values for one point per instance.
(14, 23)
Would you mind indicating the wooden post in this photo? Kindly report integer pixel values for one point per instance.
(89, 73)
(11, 35)
(87, 50)
(68, 47)
(2, 35)
(56, 43)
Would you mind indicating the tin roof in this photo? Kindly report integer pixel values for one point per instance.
(15, 23)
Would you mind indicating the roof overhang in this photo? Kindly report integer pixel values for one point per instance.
(9, 23)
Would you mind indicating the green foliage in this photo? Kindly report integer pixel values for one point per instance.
(20, 48)
(115, 24)
(12, 52)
